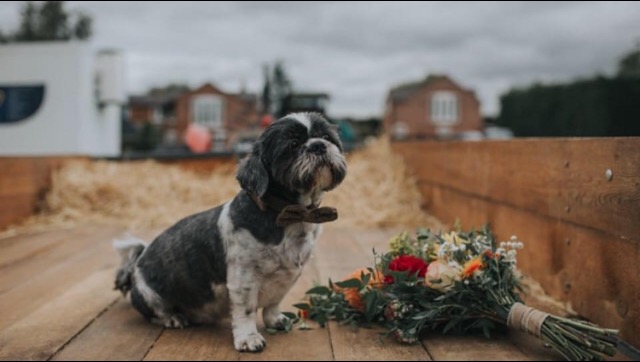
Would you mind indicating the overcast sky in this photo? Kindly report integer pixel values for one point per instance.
(357, 51)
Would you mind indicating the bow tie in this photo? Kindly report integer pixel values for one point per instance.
(293, 213)
(299, 213)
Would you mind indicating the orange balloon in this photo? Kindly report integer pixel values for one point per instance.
(198, 138)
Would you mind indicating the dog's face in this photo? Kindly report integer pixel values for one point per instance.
(300, 152)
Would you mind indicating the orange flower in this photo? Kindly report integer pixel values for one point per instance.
(352, 295)
(471, 266)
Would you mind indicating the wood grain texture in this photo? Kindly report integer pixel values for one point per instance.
(119, 334)
(68, 311)
(52, 253)
(474, 348)
(562, 178)
(50, 276)
(40, 334)
(364, 344)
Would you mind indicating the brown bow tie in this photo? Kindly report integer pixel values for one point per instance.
(298, 213)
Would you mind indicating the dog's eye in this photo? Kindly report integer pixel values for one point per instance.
(294, 144)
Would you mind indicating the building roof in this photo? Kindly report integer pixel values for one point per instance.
(163, 97)
(158, 99)
(403, 91)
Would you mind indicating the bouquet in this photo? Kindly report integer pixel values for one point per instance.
(457, 281)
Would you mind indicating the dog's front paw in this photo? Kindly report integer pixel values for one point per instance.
(277, 321)
(254, 342)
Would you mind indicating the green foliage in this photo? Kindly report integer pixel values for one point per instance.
(82, 29)
(53, 22)
(277, 90)
(28, 29)
(586, 108)
(149, 137)
(48, 22)
(629, 65)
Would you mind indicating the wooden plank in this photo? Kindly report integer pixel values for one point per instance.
(119, 334)
(76, 245)
(473, 348)
(40, 334)
(338, 254)
(366, 344)
(58, 277)
(200, 343)
(20, 248)
(562, 178)
(597, 273)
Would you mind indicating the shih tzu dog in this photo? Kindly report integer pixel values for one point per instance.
(247, 253)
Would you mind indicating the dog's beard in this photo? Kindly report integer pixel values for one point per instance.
(311, 172)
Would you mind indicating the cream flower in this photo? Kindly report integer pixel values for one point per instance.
(441, 276)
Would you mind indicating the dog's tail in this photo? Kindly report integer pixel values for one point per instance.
(130, 248)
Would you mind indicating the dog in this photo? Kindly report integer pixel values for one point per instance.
(247, 253)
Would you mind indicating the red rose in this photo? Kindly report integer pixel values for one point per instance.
(410, 263)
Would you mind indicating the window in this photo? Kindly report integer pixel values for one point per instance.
(156, 116)
(207, 110)
(444, 108)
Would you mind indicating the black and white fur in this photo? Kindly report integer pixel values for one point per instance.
(234, 258)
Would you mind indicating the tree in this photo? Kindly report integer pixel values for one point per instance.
(629, 65)
(82, 29)
(53, 22)
(266, 91)
(281, 89)
(28, 30)
(49, 21)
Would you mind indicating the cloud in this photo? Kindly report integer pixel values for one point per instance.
(357, 51)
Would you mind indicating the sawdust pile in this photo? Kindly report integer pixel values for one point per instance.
(378, 193)
(146, 194)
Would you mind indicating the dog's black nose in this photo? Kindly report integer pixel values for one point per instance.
(317, 147)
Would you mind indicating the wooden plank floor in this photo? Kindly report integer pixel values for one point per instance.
(57, 302)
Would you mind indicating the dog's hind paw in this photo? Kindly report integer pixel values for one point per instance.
(253, 342)
(176, 321)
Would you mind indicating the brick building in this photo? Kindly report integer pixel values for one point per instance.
(436, 107)
(224, 114)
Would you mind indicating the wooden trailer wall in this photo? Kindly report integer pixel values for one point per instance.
(574, 202)
(23, 184)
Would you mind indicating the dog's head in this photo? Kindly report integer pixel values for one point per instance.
(301, 153)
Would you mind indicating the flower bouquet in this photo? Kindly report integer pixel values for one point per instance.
(458, 281)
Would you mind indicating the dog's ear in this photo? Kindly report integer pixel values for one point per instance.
(253, 175)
